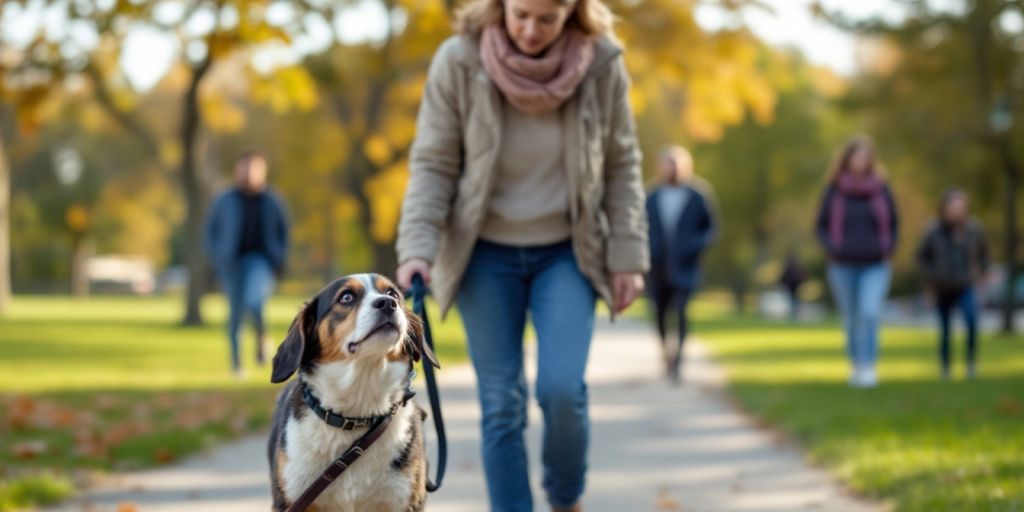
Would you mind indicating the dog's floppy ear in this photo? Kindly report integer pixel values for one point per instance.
(414, 339)
(289, 354)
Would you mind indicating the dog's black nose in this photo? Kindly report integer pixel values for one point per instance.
(386, 304)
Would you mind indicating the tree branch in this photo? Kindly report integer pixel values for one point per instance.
(127, 121)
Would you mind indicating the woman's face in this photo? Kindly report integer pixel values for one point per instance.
(861, 160)
(676, 169)
(533, 25)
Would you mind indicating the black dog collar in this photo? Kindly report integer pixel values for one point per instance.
(351, 423)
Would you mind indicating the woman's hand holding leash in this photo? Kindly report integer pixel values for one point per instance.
(626, 287)
(410, 268)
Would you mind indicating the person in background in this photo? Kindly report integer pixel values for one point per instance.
(953, 256)
(525, 197)
(682, 226)
(858, 226)
(246, 240)
(792, 278)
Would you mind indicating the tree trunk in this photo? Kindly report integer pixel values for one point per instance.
(1012, 173)
(195, 199)
(980, 20)
(81, 250)
(738, 285)
(385, 259)
(5, 230)
(329, 272)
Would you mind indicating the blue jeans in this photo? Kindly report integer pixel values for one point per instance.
(247, 288)
(500, 285)
(860, 292)
(968, 304)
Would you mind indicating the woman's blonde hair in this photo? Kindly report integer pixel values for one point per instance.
(593, 17)
(841, 160)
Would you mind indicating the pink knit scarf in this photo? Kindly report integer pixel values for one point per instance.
(536, 85)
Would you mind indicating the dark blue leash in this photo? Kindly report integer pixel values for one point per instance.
(419, 307)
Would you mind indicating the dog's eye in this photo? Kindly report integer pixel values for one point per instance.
(393, 293)
(347, 298)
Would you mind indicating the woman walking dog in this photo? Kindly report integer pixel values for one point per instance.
(525, 195)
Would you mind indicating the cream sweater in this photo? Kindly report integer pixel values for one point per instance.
(529, 204)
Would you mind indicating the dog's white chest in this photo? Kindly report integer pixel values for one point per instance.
(370, 484)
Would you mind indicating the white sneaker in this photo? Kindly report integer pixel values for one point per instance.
(870, 379)
(856, 377)
(863, 378)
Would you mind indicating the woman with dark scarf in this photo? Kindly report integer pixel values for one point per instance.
(953, 256)
(857, 225)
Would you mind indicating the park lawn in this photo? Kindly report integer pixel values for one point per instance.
(916, 442)
(113, 383)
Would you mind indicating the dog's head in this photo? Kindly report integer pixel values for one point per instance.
(359, 317)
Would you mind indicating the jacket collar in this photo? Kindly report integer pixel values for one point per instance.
(605, 52)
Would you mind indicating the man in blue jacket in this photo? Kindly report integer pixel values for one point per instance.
(246, 240)
(682, 223)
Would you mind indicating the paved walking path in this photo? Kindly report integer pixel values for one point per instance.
(654, 447)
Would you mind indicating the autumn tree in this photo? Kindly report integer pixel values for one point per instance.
(26, 83)
(206, 33)
(372, 88)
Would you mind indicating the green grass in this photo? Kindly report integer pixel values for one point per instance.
(917, 442)
(113, 383)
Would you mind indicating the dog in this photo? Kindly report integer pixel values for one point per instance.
(353, 347)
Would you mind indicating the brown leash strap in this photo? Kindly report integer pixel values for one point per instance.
(340, 465)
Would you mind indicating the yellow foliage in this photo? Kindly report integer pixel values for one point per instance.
(761, 98)
(286, 88)
(638, 99)
(385, 191)
(220, 114)
(377, 150)
(170, 153)
(346, 208)
(717, 77)
(77, 218)
(827, 82)
(699, 127)
(34, 105)
(146, 211)
(93, 118)
(400, 131)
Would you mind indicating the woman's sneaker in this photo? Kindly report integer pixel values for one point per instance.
(870, 378)
(863, 378)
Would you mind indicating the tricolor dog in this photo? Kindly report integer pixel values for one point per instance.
(353, 346)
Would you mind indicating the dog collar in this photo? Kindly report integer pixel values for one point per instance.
(348, 422)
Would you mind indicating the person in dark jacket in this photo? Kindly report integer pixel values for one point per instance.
(953, 256)
(792, 278)
(857, 225)
(246, 239)
(682, 226)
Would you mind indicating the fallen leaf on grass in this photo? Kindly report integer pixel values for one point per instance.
(89, 444)
(163, 456)
(19, 414)
(666, 503)
(1010, 406)
(105, 401)
(29, 449)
